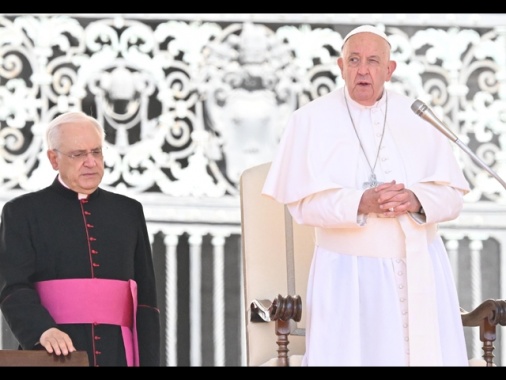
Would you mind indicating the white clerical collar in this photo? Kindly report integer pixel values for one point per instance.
(79, 195)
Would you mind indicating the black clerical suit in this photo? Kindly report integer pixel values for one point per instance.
(51, 234)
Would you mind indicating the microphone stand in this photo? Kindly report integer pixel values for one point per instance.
(480, 162)
(422, 110)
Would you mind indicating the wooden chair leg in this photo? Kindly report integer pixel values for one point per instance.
(282, 332)
(488, 336)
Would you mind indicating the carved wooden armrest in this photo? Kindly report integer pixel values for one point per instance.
(487, 316)
(281, 310)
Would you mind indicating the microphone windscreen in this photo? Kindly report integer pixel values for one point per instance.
(418, 107)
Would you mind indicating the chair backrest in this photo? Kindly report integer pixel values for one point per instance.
(277, 255)
(41, 358)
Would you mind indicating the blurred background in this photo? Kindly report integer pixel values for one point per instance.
(189, 101)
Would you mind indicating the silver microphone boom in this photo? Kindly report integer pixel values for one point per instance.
(422, 110)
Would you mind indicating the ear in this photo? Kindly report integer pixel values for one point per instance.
(340, 63)
(391, 68)
(53, 158)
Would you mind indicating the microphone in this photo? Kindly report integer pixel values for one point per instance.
(422, 110)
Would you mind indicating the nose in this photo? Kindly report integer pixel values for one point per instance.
(363, 68)
(90, 160)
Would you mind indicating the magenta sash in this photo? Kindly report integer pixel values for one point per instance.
(95, 300)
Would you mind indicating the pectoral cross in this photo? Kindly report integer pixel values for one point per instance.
(373, 182)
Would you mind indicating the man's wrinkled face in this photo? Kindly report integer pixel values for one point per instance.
(365, 67)
(78, 157)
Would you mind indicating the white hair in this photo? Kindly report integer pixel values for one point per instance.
(53, 128)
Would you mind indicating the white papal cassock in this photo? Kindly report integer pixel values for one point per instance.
(380, 290)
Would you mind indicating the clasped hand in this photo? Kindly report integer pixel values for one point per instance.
(390, 199)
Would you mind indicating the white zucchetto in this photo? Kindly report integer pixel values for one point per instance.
(366, 29)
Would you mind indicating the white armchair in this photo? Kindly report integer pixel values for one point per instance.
(276, 258)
